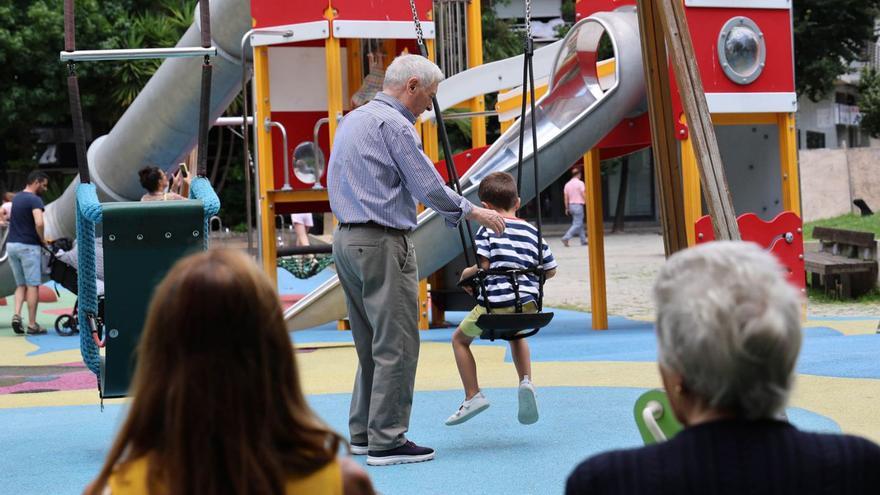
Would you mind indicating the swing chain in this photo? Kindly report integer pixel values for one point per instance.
(528, 42)
(529, 19)
(419, 35)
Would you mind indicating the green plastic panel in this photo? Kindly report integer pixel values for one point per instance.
(141, 243)
(666, 422)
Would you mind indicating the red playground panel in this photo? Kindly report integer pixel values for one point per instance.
(381, 10)
(463, 162)
(783, 236)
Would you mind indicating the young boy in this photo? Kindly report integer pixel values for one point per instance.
(515, 248)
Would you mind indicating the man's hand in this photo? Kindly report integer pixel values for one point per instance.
(567, 212)
(490, 219)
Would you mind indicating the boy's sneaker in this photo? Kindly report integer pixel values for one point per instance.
(406, 453)
(359, 448)
(528, 403)
(17, 326)
(468, 409)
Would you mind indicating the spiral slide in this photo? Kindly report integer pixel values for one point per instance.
(160, 126)
(571, 118)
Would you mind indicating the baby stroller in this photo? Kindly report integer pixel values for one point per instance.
(63, 271)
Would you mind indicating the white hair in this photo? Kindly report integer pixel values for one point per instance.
(406, 66)
(729, 323)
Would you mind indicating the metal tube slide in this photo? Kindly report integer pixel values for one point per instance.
(572, 117)
(491, 78)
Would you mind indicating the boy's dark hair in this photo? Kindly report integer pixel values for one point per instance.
(150, 177)
(36, 176)
(499, 190)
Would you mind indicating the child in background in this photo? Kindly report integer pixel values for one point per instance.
(6, 209)
(515, 248)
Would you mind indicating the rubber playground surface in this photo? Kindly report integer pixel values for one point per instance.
(54, 434)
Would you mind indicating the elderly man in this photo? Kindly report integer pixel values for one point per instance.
(376, 168)
(729, 333)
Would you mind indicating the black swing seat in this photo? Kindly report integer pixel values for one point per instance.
(508, 326)
(512, 326)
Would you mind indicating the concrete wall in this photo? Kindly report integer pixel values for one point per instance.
(865, 168)
(826, 176)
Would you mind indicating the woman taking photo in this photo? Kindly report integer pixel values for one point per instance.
(155, 181)
(217, 405)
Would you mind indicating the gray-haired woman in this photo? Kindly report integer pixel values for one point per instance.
(728, 332)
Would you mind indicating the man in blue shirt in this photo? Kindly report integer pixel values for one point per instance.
(23, 245)
(376, 168)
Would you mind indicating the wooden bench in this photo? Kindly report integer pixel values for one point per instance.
(846, 264)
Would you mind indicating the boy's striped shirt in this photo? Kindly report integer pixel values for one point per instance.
(516, 248)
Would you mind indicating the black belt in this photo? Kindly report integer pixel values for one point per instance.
(372, 225)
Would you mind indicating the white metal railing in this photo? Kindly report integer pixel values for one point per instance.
(847, 115)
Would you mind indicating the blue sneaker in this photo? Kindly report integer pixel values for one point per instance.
(405, 454)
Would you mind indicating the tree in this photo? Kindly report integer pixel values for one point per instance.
(500, 40)
(33, 87)
(828, 36)
(33, 90)
(869, 101)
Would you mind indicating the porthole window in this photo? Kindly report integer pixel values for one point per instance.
(742, 50)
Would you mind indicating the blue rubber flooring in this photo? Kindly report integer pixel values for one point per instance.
(58, 450)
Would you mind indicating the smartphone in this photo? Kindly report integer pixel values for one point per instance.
(183, 170)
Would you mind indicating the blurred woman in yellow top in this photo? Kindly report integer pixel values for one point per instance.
(218, 407)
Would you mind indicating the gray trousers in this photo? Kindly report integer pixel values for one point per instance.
(577, 223)
(378, 272)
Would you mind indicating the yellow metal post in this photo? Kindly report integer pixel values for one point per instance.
(333, 60)
(424, 323)
(333, 56)
(355, 67)
(791, 188)
(475, 58)
(596, 234)
(265, 170)
(389, 50)
(690, 178)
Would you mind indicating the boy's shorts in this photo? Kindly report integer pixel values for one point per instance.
(469, 326)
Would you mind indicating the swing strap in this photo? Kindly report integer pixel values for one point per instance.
(447, 150)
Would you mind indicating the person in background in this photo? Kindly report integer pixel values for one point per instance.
(302, 222)
(573, 195)
(217, 404)
(729, 334)
(155, 181)
(24, 247)
(6, 209)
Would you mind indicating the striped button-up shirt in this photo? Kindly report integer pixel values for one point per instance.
(377, 165)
